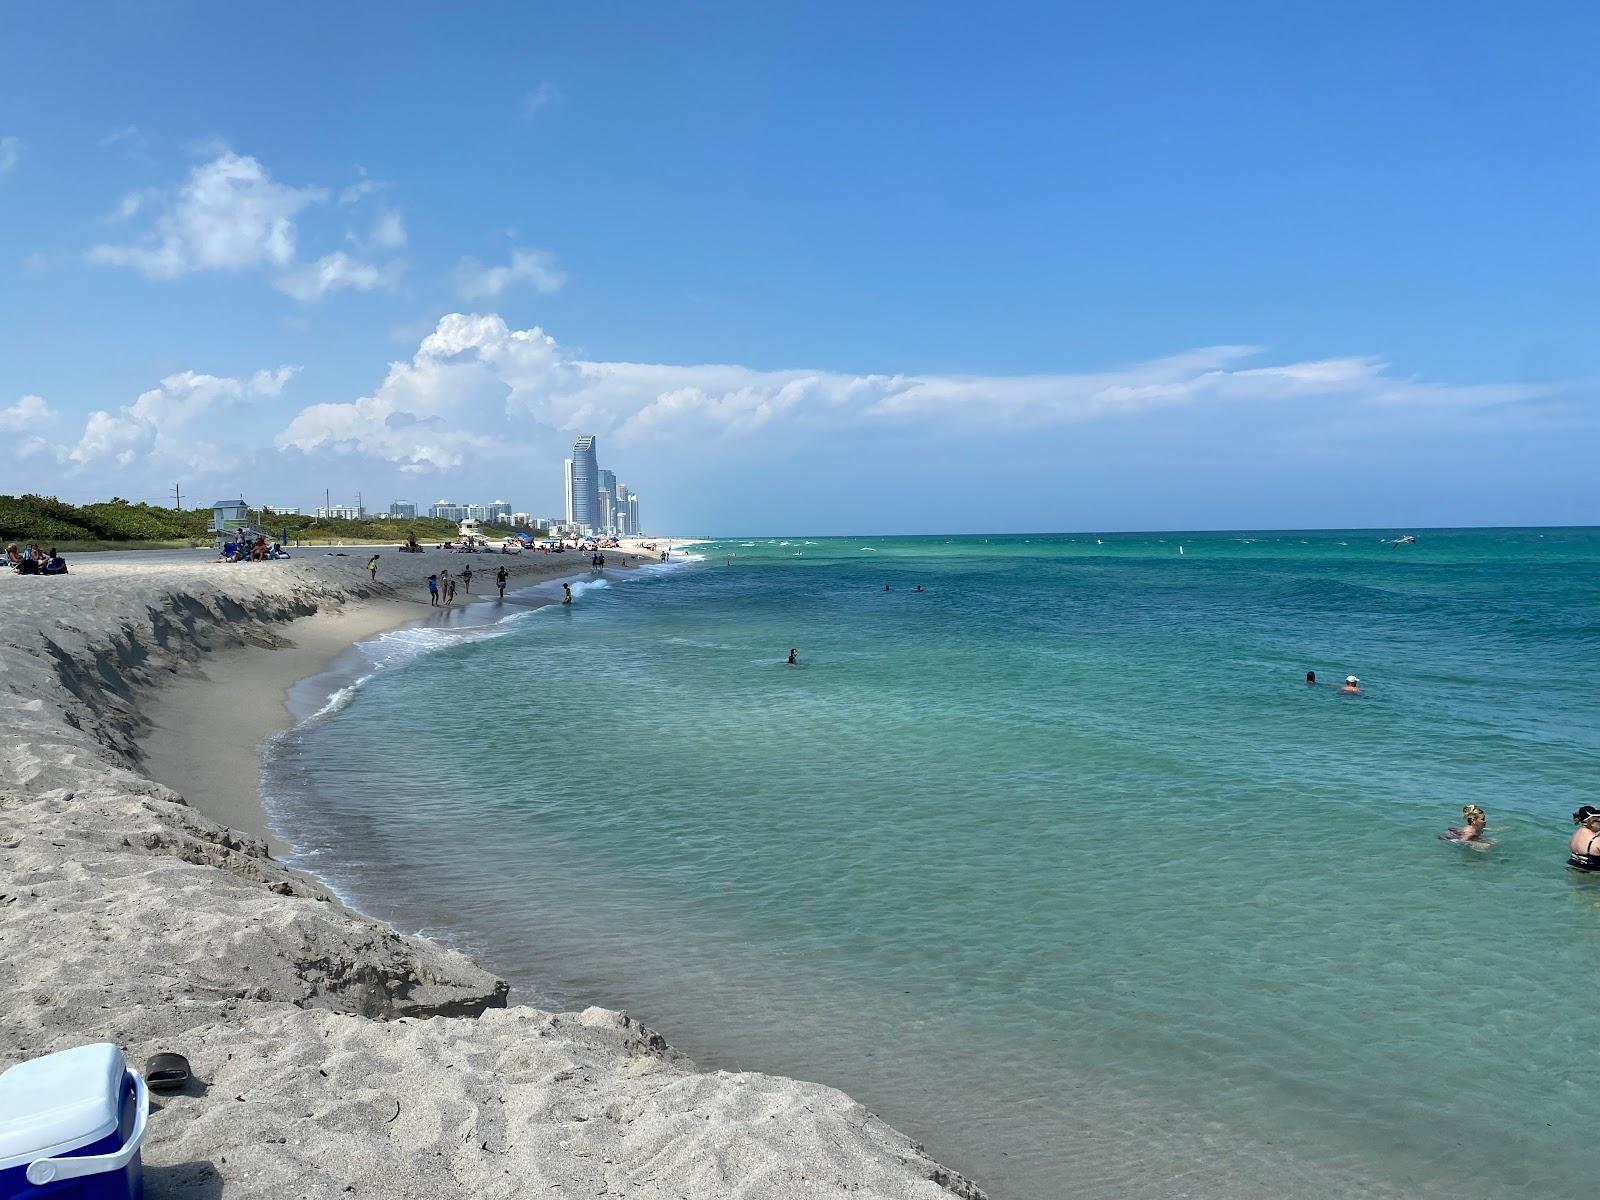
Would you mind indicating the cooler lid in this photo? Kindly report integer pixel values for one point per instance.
(57, 1103)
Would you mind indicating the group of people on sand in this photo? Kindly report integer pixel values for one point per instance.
(242, 549)
(1583, 848)
(442, 587)
(34, 559)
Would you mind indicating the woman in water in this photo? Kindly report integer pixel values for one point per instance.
(1473, 820)
(1583, 851)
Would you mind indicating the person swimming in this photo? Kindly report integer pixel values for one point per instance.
(1473, 820)
(1352, 686)
(1311, 678)
(567, 596)
(1582, 853)
(794, 657)
(918, 588)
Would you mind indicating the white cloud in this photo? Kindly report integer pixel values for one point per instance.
(231, 215)
(10, 152)
(272, 383)
(479, 282)
(28, 414)
(332, 273)
(228, 215)
(542, 97)
(163, 421)
(472, 377)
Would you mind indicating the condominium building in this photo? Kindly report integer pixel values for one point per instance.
(583, 491)
(402, 508)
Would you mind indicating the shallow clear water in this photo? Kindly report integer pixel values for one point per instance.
(1057, 865)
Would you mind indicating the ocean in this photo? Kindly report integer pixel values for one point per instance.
(1058, 864)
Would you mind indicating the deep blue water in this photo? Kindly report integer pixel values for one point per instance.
(1058, 864)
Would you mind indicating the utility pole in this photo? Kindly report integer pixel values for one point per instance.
(177, 498)
(327, 500)
(360, 511)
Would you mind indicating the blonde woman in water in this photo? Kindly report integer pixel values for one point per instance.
(1473, 820)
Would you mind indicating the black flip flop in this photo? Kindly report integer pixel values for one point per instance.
(166, 1072)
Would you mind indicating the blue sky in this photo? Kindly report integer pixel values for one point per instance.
(1004, 268)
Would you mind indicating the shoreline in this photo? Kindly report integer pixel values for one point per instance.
(334, 1055)
(192, 744)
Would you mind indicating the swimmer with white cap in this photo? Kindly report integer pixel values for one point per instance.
(1352, 686)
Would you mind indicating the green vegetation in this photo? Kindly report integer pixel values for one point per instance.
(116, 524)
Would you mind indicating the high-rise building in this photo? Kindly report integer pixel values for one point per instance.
(500, 510)
(633, 513)
(566, 490)
(448, 510)
(585, 488)
(608, 520)
(402, 508)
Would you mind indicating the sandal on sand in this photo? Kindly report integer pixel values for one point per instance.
(166, 1072)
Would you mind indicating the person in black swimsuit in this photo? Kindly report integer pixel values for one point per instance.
(1583, 851)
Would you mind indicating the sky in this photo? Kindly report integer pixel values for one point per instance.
(810, 268)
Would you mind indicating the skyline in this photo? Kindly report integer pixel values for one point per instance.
(1350, 288)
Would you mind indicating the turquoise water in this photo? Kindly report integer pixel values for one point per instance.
(1057, 865)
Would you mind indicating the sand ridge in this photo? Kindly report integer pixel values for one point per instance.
(336, 1057)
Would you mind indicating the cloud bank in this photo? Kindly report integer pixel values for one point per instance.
(473, 381)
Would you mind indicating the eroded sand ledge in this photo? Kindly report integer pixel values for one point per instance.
(338, 1057)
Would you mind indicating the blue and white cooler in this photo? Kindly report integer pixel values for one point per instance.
(70, 1127)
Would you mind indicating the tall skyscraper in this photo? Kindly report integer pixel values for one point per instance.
(585, 488)
(633, 513)
(402, 508)
(566, 490)
(499, 510)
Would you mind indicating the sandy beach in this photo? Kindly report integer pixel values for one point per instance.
(140, 903)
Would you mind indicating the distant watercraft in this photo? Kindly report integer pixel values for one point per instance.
(1407, 540)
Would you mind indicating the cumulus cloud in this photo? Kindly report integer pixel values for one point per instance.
(166, 421)
(479, 282)
(29, 413)
(10, 152)
(472, 377)
(231, 215)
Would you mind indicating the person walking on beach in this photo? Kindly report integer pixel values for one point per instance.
(466, 579)
(449, 590)
(500, 581)
(433, 591)
(372, 567)
(445, 585)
